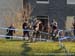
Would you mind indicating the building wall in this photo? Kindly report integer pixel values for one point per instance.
(8, 9)
(39, 9)
(55, 9)
(70, 10)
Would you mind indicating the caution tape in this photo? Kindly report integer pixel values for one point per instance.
(15, 29)
(10, 36)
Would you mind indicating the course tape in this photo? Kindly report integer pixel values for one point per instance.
(15, 29)
(10, 36)
(23, 30)
(65, 37)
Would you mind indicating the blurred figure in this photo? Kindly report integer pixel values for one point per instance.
(10, 31)
(38, 26)
(54, 28)
(35, 25)
(73, 27)
(36, 29)
(47, 30)
(25, 27)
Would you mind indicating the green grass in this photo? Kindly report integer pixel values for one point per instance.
(11, 48)
(23, 48)
(48, 48)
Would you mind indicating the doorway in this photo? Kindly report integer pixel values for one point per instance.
(43, 19)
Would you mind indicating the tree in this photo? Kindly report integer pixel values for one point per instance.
(19, 16)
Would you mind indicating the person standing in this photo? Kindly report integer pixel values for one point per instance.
(54, 28)
(25, 28)
(10, 31)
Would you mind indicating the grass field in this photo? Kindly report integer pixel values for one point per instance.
(10, 48)
(23, 48)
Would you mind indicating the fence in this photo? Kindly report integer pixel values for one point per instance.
(68, 33)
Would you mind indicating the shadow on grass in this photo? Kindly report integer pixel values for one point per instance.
(26, 49)
(64, 53)
(57, 51)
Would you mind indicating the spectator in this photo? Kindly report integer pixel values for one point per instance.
(25, 27)
(10, 31)
(38, 26)
(54, 27)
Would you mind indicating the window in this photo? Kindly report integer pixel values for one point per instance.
(70, 1)
(43, 1)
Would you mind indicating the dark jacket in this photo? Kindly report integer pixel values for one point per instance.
(25, 26)
(10, 30)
